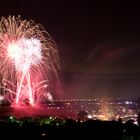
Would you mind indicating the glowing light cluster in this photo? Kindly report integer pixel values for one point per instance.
(25, 53)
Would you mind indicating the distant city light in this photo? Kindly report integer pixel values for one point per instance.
(89, 117)
(11, 117)
(128, 102)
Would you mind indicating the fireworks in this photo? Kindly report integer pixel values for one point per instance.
(28, 60)
(25, 53)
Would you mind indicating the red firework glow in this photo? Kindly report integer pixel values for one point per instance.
(28, 58)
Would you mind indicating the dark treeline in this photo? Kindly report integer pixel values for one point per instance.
(70, 129)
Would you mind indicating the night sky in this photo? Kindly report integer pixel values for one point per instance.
(99, 44)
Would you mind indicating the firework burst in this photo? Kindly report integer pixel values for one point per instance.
(28, 60)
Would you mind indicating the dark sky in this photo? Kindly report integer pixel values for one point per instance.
(99, 43)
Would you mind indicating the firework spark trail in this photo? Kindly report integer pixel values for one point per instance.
(19, 88)
(30, 90)
(26, 52)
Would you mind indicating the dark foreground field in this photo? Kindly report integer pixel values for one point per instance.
(63, 129)
(53, 124)
(52, 128)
